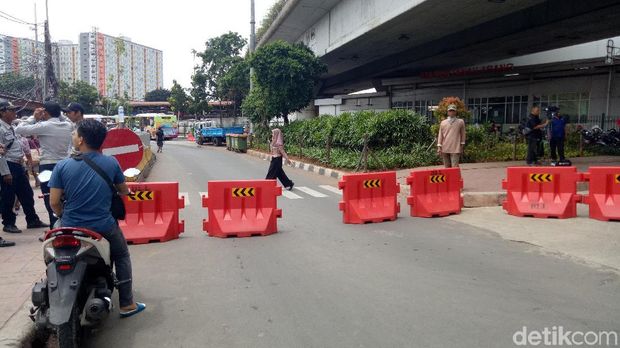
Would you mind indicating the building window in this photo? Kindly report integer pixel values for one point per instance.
(501, 110)
(406, 105)
(573, 105)
(424, 108)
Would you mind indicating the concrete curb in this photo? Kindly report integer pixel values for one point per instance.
(312, 168)
(470, 199)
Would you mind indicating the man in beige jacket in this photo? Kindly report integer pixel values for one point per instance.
(451, 140)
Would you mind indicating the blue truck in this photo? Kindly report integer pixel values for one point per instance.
(207, 132)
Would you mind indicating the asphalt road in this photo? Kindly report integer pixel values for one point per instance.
(320, 283)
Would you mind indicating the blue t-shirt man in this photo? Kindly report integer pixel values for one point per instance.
(88, 197)
(558, 127)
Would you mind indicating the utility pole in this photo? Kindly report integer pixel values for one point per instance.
(50, 78)
(37, 67)
(252, 38)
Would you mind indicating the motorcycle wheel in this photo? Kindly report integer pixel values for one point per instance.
(68, 334)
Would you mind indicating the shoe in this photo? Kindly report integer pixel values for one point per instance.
(11, 229)
(37, 224)
(6, 243)
(140, 307)
(290, 188)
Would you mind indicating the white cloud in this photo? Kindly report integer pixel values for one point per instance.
(175, 27)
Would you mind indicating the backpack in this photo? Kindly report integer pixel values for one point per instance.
(523, 128)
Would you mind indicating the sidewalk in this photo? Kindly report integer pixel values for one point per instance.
(22, 265)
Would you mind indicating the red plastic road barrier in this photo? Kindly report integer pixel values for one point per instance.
(435, 192)
(125, 146)
(542, 192)
(153, 212)
(369, 197)
(604, 196)
(190, 137)
(242, 208)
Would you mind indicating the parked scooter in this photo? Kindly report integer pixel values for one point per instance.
(77, 291)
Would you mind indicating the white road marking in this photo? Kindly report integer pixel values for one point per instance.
(290, 195)
(331, 189)
(121, 150)
(311, 192)
(185, 197)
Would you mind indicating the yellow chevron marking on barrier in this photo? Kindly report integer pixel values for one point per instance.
(541, 178)
(617, 178)
(437, 179)
(243, 192)
(141, 196)
(372, 183)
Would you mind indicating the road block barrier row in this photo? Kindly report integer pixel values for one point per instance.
(152, 212)
(242, 208)
(435, 192)
(551, 192)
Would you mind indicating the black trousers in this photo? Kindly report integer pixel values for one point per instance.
(276, 171)
(535, 150)
(557, 146)
(20, 188)
(46, 193)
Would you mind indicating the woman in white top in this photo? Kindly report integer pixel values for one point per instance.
(277, 154)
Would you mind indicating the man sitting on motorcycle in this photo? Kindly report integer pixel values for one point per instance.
(87, 201)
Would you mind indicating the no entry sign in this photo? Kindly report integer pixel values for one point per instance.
(125, 146)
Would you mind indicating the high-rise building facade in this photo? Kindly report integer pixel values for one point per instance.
(119, 67)
(66, 57)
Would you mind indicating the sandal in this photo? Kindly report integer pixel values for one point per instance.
(139, 308)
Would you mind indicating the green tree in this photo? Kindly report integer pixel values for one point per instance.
(235, 83)
(198, 101)
(18, 85)
(220, 55)
(79, 92)
(257, 109)
(179, 101)
(287, 75)
(160, 94)
(269, 18)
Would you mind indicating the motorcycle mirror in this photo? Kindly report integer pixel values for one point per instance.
(131, 172)
(45, 176)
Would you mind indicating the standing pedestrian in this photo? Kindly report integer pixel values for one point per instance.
(451, 138)
(15, 182)
(534, 135)
(4, 170)
(160, 139)
(557, 134)
(277, 155)
(74, 112)
(54, 136)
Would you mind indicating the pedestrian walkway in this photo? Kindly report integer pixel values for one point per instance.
(299, 192)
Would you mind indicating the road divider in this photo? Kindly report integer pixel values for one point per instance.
(371, 197)
(604, 196)
(242, 208)
(542, 192)
(153, 213)
(435, 192)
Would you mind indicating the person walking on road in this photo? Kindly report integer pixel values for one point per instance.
(557, 134)
(534, 135)
(160, 140)
(451, 138)
(277, 155)
(87, 201)
(54, 136)
(14, 182)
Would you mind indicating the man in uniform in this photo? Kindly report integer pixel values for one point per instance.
(15, 182)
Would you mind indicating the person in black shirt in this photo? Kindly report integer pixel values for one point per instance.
(535, 136)
(160, 140)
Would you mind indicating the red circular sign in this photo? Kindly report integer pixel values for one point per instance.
(125, 145)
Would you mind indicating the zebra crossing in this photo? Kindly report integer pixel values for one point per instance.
(299, 192)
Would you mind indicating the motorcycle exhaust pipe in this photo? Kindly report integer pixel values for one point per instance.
(97, 309)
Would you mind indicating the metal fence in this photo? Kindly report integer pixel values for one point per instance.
(603, 121)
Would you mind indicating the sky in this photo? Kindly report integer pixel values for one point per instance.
(175, 27)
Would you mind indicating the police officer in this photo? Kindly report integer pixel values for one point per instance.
(54, 135)
(4, 170)
(15, 182)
